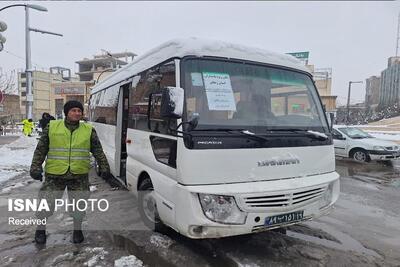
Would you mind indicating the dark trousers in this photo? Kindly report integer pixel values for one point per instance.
(53, 188)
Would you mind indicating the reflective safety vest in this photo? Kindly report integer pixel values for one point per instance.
(68, 151)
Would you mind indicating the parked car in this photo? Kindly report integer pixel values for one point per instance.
(352, 142)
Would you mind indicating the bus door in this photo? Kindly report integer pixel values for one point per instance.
(122, 126)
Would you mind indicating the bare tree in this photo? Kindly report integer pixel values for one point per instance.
(8, 83)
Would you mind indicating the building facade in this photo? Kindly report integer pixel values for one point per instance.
(390, 83)
(372, 92)
(41, 90)
(323, 82)
(66, 91)
(9, 109)
(100, 66)
(91, 71)
(51, 90)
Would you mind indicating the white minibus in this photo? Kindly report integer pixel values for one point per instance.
(217, 139)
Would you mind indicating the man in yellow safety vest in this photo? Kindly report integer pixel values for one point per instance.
(66, 146)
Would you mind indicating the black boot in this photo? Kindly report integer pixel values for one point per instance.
(77, 236)
(40, 235)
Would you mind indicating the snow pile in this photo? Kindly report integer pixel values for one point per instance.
(16, 157)
(9, 188)
(197, 47)
(19, 152)
(128, 261)
(6, 174)
(160, 241)
(92, 188)
(99, 254)
(9, 261)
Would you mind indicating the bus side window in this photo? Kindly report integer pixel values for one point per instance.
(104, 106)
(151, 81)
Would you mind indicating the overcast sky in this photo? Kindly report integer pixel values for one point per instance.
(355, 39)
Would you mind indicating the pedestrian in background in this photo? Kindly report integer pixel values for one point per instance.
(46, 118)
(27, 127)
(67, 144)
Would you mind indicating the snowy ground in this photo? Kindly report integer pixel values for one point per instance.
(363, 229)
(386, 129)
(16, 157)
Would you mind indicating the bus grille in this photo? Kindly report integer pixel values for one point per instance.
(283, 200)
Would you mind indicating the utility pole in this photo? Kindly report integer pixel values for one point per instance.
(398, 35)
(28, 71)
(28, 67)
(348, 101)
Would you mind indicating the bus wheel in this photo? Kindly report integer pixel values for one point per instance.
(148, 206)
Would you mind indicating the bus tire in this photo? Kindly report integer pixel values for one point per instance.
(148, 206)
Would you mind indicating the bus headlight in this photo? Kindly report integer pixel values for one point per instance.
(327, 197)
(222, 209)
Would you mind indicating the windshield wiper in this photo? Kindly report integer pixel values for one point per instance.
(251, 134)
(309, 133)
(244, 132)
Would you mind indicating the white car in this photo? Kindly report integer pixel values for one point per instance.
(352, 142)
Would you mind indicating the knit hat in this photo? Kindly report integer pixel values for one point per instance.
(72, 104)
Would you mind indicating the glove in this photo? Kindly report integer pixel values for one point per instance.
(36, 175)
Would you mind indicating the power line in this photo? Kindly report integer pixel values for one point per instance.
(19, 57)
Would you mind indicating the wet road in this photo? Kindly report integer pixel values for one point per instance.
(362, 230)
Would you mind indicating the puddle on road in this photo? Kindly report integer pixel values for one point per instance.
(150, 258)
(395, 183)
(377, 173)
(197, 252)
(346, 242)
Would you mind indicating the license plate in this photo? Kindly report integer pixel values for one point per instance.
(284, 218)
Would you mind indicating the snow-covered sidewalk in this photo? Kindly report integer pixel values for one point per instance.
(16, 157)
(392, 136)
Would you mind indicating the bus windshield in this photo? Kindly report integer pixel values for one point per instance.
(237, 95)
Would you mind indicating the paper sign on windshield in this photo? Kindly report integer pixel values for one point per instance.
(196, 79)
(219, 91)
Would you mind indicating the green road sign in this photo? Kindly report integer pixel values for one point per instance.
(300, 55)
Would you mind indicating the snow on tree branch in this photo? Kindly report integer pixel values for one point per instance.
(8, 82)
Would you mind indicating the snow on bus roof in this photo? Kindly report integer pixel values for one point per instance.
(178, 48)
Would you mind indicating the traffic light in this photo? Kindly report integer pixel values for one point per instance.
(3, 27)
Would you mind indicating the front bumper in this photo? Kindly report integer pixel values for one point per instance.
(383, 155)
(192, 222)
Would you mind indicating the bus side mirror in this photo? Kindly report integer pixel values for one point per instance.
(172, 102)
